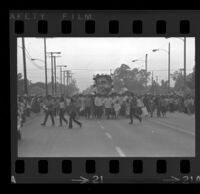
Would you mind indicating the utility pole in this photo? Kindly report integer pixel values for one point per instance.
(184, 61)
(152, 79)
(60, 79)
(146, 55)
(157, 79)
(68, 76)
(24, 61)
(64, 81)
(61, 76)
(45, 61)
(169, 66)
(53, 79)
(54, 57)
(152, 83)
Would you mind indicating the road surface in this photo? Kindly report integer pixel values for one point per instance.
(173, 136)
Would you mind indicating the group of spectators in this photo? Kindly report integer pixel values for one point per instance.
(27, 105)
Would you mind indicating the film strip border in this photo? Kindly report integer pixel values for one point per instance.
(106, 171)
(105, 24)
(98, 23)
(113, 27)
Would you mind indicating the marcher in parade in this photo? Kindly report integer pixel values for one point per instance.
(62, 106)
(163, 106)
(88, 106)
(49, 111)
(117, 108)
(157, 104)
(139, 106)
(72, 114)
(133, 109)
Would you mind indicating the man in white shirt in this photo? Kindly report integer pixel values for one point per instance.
(98, 106)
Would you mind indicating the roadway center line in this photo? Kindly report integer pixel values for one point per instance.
(102, 127)
(173, 127)
(120, 152)
(108, 135)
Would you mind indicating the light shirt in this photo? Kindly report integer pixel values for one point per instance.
(98, 101)
(62, 105)
(108, 103)
(117, 106)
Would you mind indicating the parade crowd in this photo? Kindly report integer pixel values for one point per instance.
(96, 106)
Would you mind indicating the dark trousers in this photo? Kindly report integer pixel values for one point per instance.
(61, 115)
(72, 119)
(108, 112)
(87, 112)
(98, 111)
(133, 113)
(158, 111)
(47, 113)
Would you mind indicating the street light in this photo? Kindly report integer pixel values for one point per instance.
(184, 65)
(33, 59)
(168, 52)
(46, 88)
(146, 55)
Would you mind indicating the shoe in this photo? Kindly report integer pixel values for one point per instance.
(42, 124)
(130, 123)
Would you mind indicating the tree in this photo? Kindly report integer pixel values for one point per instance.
(190, 80)
(132, 79)
(163, 88)
(178, 77)
(72, 88)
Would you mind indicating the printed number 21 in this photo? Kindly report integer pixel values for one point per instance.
(97, 179)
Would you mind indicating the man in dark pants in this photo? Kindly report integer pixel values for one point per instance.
(157, 103)
(72, 114)
(133, 109)
(62, 106)
(49, 110)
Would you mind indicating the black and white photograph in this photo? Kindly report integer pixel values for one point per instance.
(106, 96)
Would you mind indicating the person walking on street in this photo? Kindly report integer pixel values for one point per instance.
(157, 104)
(133, 109)
(62, 109)
(72, 114)
(88, 104)
(49, 110)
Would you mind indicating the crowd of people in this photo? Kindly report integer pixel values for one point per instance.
(27, 105)
(96, 106)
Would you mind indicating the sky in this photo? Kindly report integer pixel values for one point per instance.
(86, 57)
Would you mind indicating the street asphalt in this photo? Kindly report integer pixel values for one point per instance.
(173, 136)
